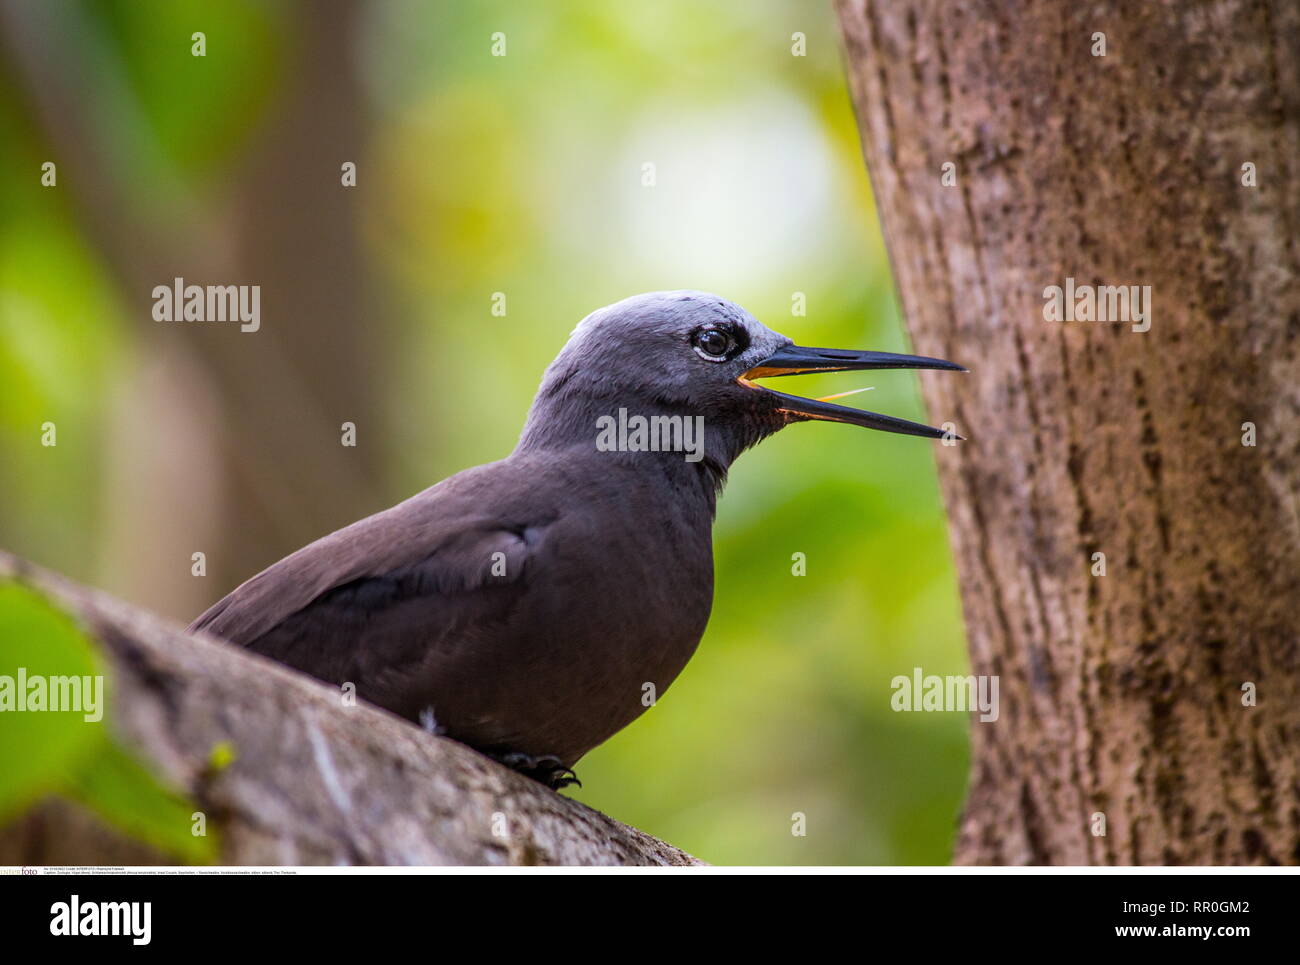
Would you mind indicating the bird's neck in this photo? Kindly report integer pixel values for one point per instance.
(687, 451)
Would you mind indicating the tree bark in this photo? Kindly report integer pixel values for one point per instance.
(1127, 732)
(312, 781)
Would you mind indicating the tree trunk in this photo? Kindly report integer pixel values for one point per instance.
(311, 782)
(1150, 715)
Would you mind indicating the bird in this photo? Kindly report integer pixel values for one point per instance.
(533, 607)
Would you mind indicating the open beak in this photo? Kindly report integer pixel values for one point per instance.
(798, 360)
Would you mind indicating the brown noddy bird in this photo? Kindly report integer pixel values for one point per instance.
(533, 607)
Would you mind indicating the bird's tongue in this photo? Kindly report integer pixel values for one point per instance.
(840, 395)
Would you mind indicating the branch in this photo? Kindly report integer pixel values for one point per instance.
(312, 781)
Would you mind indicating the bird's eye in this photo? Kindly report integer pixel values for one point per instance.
(714, 344)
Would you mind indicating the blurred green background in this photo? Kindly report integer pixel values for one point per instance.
(477, 174)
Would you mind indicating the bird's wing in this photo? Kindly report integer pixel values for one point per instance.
(387, 593)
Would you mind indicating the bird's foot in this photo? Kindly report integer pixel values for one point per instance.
(546, 769)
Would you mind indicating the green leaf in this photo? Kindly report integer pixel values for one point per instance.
(117, 787)
(39, 642)
(222, 756)
(60, 751)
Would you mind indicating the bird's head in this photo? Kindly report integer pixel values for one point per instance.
(693, 354)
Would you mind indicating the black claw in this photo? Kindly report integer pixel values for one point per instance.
(546, 769)
(563, 777)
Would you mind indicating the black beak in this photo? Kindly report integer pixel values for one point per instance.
(797, 360)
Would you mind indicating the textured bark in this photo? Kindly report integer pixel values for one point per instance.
(1121, 694)
(311, 782)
